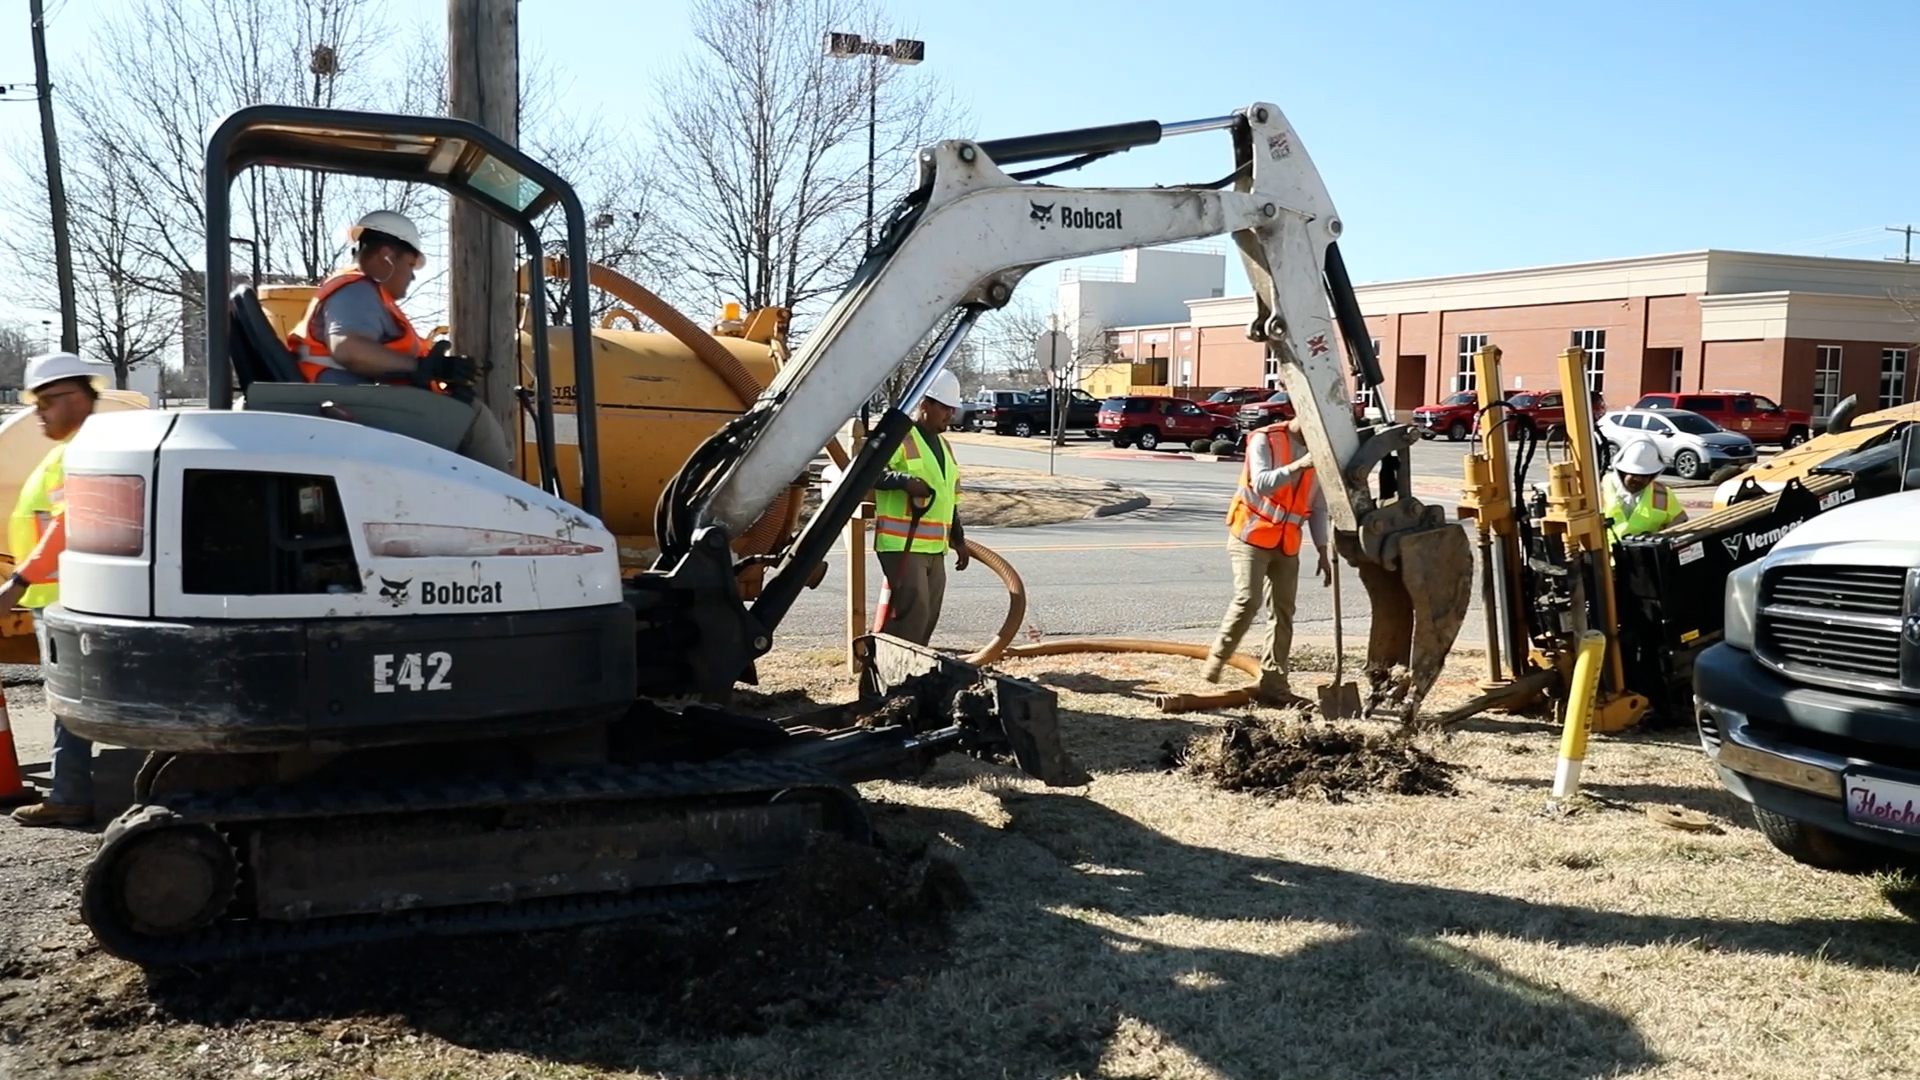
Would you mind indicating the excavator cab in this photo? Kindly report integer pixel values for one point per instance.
(245, 353)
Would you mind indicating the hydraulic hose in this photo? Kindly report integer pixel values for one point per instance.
(1002, 645)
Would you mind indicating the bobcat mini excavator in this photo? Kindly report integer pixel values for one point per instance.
(387, 691)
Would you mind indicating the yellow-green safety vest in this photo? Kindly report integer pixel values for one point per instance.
(42, 496)
(1656, 509)
(894, 527)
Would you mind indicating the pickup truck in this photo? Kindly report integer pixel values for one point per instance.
(1809, 706)
(1083, 411)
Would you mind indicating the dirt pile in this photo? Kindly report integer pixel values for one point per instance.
(1291, 758)
(844, 924)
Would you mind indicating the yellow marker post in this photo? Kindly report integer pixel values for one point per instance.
(1580, 704)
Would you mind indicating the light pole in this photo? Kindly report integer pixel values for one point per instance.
(902, 51)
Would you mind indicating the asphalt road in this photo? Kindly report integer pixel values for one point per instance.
(1161, 572)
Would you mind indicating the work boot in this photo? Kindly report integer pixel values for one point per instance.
(49, 813)
(1281, 699)
(1211, 672)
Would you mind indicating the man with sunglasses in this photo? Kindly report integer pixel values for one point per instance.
(355, 333)
(63, 389)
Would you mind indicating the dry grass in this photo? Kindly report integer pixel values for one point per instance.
(1151, 926)
(1012, 498)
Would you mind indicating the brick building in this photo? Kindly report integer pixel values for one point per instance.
(1807, 331)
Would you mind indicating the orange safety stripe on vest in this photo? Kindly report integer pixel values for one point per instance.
(908, 530)
(1272, 521)
(312, 351)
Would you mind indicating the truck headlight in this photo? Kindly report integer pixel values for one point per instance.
(1743, 602)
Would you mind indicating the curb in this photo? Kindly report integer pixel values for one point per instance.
(1139, 455)
(1124, 506)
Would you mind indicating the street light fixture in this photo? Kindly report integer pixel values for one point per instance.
(901, 51)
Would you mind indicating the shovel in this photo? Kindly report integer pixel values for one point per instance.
(1339, 700)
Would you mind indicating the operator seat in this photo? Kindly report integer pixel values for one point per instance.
(270, 379)
(257, 354)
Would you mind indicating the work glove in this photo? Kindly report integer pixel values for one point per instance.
(459, 373)
(1325, 569)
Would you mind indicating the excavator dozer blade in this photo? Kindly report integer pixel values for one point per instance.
(1418, 608)
(1001, 713)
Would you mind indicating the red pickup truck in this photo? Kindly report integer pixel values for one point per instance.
(1750, 414)
(1545, 411)
(1227, 402)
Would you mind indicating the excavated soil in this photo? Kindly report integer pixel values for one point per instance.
(1295, 759)
(842, 926)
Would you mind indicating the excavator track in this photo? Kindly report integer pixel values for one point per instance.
(194, 877)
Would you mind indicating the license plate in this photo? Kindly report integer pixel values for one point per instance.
(1883, 804)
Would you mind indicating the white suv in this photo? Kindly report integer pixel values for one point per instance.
(1689, 444)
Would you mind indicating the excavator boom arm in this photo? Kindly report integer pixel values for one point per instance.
(980, 231)
(962, 243)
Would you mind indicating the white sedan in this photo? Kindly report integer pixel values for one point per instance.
(1689, 444)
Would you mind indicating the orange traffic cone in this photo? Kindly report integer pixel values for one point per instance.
(880, 609)
(12, 791)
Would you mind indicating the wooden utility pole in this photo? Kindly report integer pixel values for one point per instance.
(483, 85)
(56, 188)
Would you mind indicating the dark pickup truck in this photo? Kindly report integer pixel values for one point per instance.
(1083, 411)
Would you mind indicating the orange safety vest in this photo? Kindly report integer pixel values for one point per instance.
(1272, 521)
(312, 350)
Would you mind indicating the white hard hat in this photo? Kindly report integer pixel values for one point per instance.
(52, 367)
(1640, 458)
(396, 225)
(945, 390)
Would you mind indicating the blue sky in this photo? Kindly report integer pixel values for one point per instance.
(1454, 137)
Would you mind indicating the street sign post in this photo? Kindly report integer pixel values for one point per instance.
(1052, 350)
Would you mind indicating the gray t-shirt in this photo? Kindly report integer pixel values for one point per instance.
(356, 309)
(353, 309)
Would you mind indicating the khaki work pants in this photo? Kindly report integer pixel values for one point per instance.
(1255, 571)
(916, 583)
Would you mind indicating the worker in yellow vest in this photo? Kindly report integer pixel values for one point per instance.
(62, 388)
(917, 519)
(1278, 494)
(1632, 499)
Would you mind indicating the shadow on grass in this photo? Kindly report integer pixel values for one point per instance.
(1718, 803)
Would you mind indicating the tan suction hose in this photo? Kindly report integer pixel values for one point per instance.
(1002, 644)
(1016, 603)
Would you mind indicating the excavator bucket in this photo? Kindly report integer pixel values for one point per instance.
(1419, 604)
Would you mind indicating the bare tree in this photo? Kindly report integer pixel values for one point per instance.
(762, 140)
(1008, 337)
(16, 348)
(122, 320)
(163, 72)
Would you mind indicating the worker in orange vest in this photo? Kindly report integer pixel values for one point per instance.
(1277, 495)
(354, 331)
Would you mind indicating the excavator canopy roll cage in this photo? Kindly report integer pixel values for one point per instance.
(461, 158)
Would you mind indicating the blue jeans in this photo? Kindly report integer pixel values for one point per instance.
(72, 755)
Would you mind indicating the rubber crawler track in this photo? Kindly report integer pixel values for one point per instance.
(239, 939)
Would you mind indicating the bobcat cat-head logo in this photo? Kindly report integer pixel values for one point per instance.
(395, 592)
(1041, 214)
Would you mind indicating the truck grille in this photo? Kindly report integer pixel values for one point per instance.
(1861, 590)
(1840, 621)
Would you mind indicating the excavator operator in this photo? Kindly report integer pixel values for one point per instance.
(355, 333)
(1632, 499)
